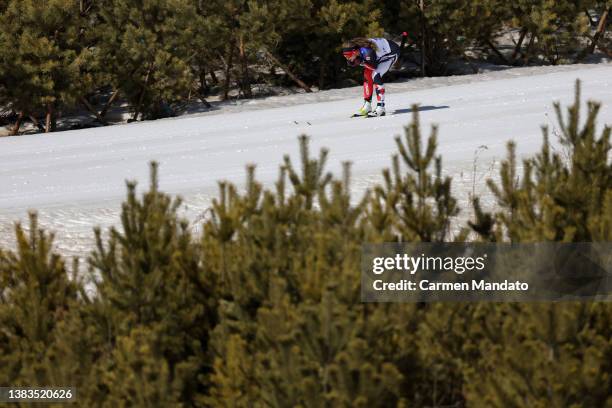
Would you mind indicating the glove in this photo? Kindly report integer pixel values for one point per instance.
(355, 63)
(407, 38)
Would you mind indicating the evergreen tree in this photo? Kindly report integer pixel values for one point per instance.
(339, 21)
(222, 41)
(554, 28)
(37, 296)
(421, 203)
(45, 62)
(540, 355)
(149, 46)
(289, 263)
(306, 36)
(443, 30)
(137, 374)
(559, 199)
(153, 296)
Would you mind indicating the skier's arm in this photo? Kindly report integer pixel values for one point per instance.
(369, 67)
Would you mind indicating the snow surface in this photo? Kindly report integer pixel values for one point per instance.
(76, 179)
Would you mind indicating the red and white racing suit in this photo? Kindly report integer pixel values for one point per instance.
(376, 64)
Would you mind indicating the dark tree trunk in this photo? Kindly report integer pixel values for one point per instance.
(91, 110)
(213, 77)
(497, 52)
(139, 105)
(528, 50)
(228, 71)
(110, 102)
(202, 98)
(245, 81)
(142, 95)
(85, 7)
(49, 118)
(204, 89)
(469, 62)
(205, 102)
(228, 74)
(298, 81)
(591, 21)
(601, 28)
(519, 44)
(15, 130)
(322, 74)
(36, 123)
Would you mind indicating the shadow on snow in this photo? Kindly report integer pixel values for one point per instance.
(420, 109)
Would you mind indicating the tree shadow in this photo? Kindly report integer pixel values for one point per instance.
(420, 109)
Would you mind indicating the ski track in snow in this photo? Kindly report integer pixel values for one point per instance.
(76, 179)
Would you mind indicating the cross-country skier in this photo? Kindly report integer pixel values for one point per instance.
(376, 55)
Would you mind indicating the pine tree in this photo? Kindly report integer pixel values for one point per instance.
(421, 203)
(444, 30)
(37, 295)
(554, 28)
(153, 294)
(45, 59)
(542, 355)
(289, 262)
(139, 375)
(305, 37)
(150, 45)
(551, 354)
(558, 198)
(339, 21)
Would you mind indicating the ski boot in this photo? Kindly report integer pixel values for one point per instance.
(380, 109)
(365, 109)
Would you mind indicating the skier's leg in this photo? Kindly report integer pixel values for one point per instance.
(379, 87)
(367, 84)
(386, 63)
(368, 90)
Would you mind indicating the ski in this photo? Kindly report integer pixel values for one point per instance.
(356, 115)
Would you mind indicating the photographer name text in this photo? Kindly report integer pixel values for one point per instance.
(426, 285)
(419, 264)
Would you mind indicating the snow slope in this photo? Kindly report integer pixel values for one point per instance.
(76, 179)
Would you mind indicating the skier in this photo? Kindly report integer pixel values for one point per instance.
(376, 55)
